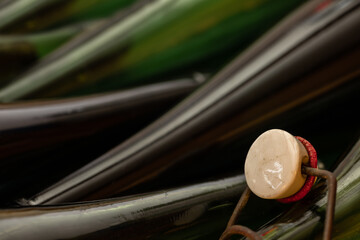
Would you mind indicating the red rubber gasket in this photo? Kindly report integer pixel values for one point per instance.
(309, 182)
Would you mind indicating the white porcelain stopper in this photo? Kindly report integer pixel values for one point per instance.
(273, 165)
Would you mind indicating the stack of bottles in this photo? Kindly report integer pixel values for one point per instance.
(133, 118)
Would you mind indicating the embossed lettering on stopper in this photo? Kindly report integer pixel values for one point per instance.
(273, 165)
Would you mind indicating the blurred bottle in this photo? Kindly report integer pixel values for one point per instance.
(147, 41)
(18, 16)
(19, 52)
(261, 85)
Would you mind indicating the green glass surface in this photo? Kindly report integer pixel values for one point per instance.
(157, 38)
(24, 16)
(19, 52)
(15, 10)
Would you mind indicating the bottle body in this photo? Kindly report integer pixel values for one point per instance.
(60, 136)
(135, 48)
(228, 106)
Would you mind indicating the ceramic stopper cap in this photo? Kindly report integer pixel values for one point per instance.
(273, 165)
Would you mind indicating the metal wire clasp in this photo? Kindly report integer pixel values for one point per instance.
(233, 229)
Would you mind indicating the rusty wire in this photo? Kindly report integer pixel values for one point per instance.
(233, 229)
(330, 208)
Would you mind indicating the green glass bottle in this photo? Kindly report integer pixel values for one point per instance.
(199, 211)
(19, 52)
(144, 216)
(19, 16)
(243, 96)
(148, 40)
